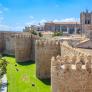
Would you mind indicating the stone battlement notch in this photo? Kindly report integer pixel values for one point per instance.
(71, 76)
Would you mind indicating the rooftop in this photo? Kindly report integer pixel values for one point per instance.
(64, 22)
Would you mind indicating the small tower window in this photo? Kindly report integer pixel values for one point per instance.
(87, 22)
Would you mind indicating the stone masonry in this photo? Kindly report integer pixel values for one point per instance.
(22, 47)
(1, 42)
(71, 74)
(7, 43)
(19, 44)
(70, 51)
(44, 50)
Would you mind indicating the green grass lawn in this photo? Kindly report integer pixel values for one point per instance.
(22, 76)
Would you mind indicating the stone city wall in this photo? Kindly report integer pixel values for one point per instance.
(44, 50)
(23, 47)
(1, 42)
(9, 43)
(33, 42)
(71, 74)
(70, 51)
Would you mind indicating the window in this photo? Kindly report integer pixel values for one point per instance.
(71, 30)
(87, 22)
(64, 29)
(57, 28)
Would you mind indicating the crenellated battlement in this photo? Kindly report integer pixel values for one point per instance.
(44, 50)
(72, 63)
(23, 47)
(1, 41)
(47, 43)
(71, 51)
(71, 74)
(23, 35)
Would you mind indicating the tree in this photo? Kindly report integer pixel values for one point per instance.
(57, 34)
(40, 34)
(34, 32)
(3, 64)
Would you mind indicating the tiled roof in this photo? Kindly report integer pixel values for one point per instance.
(64, 22)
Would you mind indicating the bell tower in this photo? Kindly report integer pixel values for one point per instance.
(86, 22)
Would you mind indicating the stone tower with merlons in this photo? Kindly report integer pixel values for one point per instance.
(86, 22)
(44, 50)
(71, 74)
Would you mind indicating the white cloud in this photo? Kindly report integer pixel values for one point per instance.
(71, 20)
(5, 27)
(56, 20)
(67, 20)
(18, 28)
(31, 17)
(33, 22)
(42, 21)
(3, 8)
(1, 19)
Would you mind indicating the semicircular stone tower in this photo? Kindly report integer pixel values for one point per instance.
(72, 74)
(44, 50)
(1, 42)
(22, 47)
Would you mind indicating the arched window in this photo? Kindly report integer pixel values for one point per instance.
(87, 21)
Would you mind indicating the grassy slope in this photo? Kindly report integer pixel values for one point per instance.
(21, 81)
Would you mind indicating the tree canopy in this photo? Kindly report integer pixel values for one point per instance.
(58, 34)
(3, 64)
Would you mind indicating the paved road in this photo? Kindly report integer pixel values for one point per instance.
(4, 84)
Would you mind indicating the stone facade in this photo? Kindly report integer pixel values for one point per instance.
(67, 50)
(19, 44)
(87, 44)
(44, 50)
(33, 42)
(82, 27)
(86, 22)
(22, 47)
(65, 27)
(71, 74)
(1, 42)
(7, 43)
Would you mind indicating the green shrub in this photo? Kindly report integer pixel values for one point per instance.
(58, 34)
(3, 64)
(40, 34)
(34, 32)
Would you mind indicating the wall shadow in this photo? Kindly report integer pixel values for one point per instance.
(8, 55)
(46, 81)
(26, 62)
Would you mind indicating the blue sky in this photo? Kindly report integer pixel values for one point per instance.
(16, 14)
